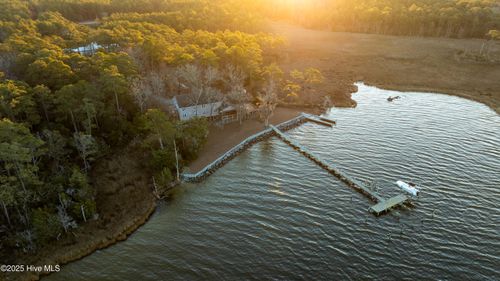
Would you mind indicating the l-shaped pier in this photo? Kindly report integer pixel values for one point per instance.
(382, 206)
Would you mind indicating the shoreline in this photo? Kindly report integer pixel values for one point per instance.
(450, 92)
(99, 243)
(233, 133)
(117, 179)
(222, 139)
(108, 241)
(402, 63)
(247, 143)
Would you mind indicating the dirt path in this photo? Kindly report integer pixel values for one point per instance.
(392, 62)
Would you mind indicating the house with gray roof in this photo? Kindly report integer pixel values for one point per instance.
(188, 107)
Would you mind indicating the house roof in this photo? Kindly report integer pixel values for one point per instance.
(87, 48)
(189, 100)
(249, 108)
(228, 108)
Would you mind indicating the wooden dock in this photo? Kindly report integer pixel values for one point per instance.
(383, 204)
(388, 204)
(328, 120)
(319, 120)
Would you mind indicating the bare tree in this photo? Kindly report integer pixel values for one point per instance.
(193, 76)
(200, 82)
(268, 101)
(173, 80)
(327, 102)
(237, 93)
(211, 75)
(212, 96)
(86, 146)
(157, 82)
(28, 240)
(178, 178)
(492, 36)
(138, 57)
(142, 92)
(82, 209)
(4, 202)
(66, 220)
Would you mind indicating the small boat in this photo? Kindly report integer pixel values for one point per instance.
(409, 187)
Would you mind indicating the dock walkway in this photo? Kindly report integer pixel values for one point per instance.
(319, 120)
(383, 204)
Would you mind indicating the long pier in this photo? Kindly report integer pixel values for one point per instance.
(383, 204)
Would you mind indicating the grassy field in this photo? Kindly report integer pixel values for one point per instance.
(393, 62)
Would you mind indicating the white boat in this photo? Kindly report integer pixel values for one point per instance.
(409, 187)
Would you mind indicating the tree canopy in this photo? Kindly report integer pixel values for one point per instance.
(446, 18)
(62, 110)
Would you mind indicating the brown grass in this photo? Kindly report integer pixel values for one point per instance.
(392, 62)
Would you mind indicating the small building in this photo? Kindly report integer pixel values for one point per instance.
(92, 48)
(188, 108)
(87, 50)
(230, 113)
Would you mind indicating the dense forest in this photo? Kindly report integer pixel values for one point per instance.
(447, 18)
(197, 14)
(61, 110)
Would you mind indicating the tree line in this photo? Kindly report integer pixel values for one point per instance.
(186, 14)
(440, 18)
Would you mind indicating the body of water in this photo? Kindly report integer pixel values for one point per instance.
(272, 214)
